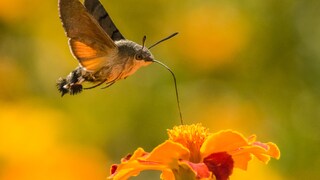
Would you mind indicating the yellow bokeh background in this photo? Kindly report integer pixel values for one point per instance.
(251, 66)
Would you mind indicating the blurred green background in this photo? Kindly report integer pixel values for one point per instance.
(251, 66)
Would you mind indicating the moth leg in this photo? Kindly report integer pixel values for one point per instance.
(109, 84)
(113, 81)
(91, 77)
(96, 85)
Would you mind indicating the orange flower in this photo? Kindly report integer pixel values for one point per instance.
(193, 153)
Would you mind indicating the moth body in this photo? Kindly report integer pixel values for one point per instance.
(104, 55)
(129, 58)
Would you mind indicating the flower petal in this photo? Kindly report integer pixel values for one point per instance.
(273, 150)
(222, 141)
(137, 154)
(164, 157)
(200, 170)
(252, 139)
(241, 149)
(169, 153)
(263, 151)
(167, 174)
(220, 164)
(128, 167)
(241, 160)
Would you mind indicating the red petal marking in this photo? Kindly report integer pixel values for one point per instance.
(113, 169)
(126, 158)
(220, 164)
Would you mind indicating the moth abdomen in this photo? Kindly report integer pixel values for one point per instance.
(71, 83)
(62, 82)
(65, 87)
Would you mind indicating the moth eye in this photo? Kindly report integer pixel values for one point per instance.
(139, 56)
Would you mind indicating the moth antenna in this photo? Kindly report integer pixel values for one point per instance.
(144, 41)
(169, 37)
(175, 85)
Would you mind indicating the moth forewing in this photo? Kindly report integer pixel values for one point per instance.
(96, 9)
(81, 27)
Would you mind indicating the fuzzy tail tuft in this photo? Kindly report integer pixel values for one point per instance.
(62, 82)
(75, 89)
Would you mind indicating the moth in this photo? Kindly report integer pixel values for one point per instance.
(104, 55)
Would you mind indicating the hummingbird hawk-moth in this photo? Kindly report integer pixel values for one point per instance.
(104, 55)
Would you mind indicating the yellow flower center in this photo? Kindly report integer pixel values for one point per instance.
(191, 137)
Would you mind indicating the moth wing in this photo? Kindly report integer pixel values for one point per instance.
(88, 41)
(96, 9)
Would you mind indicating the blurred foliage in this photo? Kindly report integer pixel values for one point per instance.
(251, 66)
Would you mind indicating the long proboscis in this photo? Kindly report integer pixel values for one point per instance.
(175, 85)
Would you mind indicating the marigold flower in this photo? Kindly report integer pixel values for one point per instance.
(191, 152)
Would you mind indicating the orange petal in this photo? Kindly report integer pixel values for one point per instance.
(167, 174)
(222, 141)
(169, 153)
(273, 150)
(134, 167)
(263, 151)
(241, 160)
(163, 158)
(125, 169)
(241, 149)
(138, 153)
(252, 138)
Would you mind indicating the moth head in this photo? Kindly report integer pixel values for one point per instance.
(144, 53)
